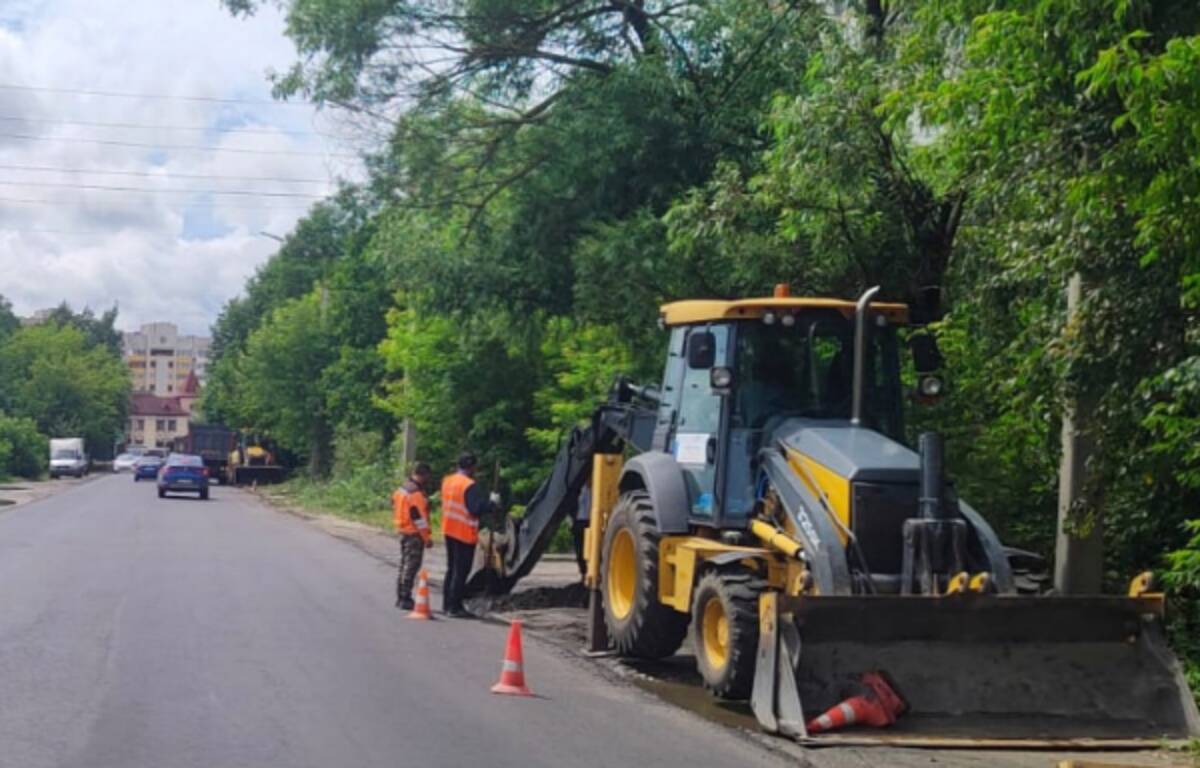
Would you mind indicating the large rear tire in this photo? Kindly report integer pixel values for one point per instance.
(725, 631)
(638, 623)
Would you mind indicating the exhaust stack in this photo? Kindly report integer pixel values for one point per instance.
(860, 354)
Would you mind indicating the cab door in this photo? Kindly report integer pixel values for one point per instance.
(697, 439)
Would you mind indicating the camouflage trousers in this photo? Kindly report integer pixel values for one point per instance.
(412, 551)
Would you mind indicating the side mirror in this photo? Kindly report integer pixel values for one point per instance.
(701, 350)
(926, 357)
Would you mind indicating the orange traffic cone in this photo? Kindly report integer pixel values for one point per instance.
(878, 706)
(512, 673)
(421, 607)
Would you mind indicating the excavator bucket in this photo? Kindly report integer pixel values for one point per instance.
(977, 670)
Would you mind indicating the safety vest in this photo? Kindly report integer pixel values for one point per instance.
(457, 522)
(403, 501)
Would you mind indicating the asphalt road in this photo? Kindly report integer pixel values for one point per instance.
(143, 632)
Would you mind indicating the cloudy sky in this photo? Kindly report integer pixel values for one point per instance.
(121, 122)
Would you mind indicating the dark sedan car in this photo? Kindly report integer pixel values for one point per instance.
(146, 467)
(183, 473)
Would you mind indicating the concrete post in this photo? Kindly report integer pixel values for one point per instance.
(1078, 560)
(409, 444)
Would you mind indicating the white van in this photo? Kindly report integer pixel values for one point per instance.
(67, 457)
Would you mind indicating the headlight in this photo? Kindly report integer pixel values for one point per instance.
(788, 320)
(931, 386)
(720, 378)
(768, 318)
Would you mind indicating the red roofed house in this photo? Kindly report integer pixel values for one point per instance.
(156, 421)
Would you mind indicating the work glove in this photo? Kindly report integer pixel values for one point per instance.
(494, 498)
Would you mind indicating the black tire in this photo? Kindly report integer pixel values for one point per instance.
(162, 494)
(734, 594)
(649, 629)
(204, 495)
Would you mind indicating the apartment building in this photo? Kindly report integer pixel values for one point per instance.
(161, 359)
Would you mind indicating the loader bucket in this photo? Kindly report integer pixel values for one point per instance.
(977, 671)
(258, 475)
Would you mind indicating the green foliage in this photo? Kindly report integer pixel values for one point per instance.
(582, 363)
(23, 450)
(570, 166)
(68, 386)
(278, 382)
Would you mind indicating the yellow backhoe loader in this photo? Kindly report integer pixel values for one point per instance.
(763, 500)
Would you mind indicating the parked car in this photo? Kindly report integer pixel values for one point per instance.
(67, 457)
(183, 473)
(125, 462)
(146, 467)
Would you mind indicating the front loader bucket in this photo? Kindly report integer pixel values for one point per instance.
(977, 671)
(258, 475)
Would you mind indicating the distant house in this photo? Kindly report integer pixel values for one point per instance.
(156, 421)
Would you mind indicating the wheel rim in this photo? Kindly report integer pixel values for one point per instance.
(622, 574)
(716, 633)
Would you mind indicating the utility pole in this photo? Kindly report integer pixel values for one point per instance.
(1078, 559)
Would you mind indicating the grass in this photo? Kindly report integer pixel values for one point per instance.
(365, 497)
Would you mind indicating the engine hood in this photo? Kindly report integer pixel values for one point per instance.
(855, 453)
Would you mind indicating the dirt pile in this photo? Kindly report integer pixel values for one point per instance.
(569, 596)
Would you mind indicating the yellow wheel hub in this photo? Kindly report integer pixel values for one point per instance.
(716, 633)
(622, 574)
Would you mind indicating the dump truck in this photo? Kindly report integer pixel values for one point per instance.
(252, 462)
(762, 503)
(211, 442)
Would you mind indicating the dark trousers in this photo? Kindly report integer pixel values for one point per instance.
(459, 557)
(412, 551)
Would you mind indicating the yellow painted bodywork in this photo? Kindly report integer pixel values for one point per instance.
(710, 311)
(606, 474)
(680, 559)
(825, 484)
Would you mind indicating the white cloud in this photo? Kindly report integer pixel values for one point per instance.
(160, 256)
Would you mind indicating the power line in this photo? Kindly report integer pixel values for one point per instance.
(160, 96)
(150, 190)
(189, 204)
(144, 126)
(163, 175)
(195, 147)
(54, 231)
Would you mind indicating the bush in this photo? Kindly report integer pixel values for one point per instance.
(1183, 587)
(23, 449)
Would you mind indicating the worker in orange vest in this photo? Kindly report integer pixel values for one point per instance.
(463, 504)
(410, 513)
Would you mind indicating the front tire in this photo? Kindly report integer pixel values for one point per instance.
(638, 623)
(725, 631)
(162, 494)
(204, 495)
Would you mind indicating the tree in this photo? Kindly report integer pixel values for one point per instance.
(50, 374)
(278, 379)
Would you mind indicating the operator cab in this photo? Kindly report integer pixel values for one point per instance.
(736, 370)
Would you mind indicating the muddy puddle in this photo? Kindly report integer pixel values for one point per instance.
(676, 681)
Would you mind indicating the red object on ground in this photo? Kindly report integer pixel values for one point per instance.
(512, 672)
(421, 608)
(878, 707)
